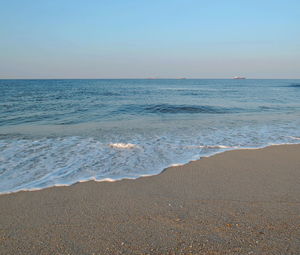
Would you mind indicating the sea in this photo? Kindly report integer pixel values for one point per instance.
(60, 132)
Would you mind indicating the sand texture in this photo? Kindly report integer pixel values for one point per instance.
(237, 202)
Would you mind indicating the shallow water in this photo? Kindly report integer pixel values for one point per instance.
(58, 132)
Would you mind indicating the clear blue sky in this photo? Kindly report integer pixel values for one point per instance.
(149, 38)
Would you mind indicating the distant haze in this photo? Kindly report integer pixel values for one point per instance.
(142, 39)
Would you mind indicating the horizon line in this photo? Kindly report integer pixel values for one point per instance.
(149, 78)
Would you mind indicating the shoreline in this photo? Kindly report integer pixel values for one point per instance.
(235, 202)
(233, 148)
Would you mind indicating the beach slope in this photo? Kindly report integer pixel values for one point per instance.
(236, 202)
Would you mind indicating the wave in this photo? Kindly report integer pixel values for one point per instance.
(213, 146)
(110, 94)
(294, 85)
(193, 109)
(165, 108)
(174, 109)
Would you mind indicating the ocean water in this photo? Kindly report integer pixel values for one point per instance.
(59, 132)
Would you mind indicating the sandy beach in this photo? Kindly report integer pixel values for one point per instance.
(236, 202)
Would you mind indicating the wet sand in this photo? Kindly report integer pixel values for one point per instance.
(237, 202)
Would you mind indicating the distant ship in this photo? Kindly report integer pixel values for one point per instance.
(239, 78)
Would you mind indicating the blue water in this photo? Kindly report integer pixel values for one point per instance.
(59, 132)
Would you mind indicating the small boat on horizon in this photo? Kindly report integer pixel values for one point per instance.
(239, 78)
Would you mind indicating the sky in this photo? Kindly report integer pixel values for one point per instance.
(149, 38)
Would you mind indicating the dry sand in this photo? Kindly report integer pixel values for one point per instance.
(237, 202)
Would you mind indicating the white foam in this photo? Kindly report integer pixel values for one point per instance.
(32, 164)
(174, 165)
(96, 180)
(295, 138)
(123, 145)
